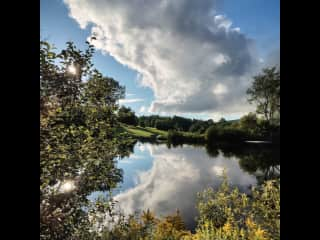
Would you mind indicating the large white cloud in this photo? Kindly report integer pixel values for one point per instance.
(175, 178)
(185, 51)
(131, 100)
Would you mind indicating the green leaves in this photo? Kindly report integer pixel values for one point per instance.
(77, 139)
(233, 215)
(265, 92)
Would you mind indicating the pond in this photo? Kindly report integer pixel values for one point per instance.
(165, 179)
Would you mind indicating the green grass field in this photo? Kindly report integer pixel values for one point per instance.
(153, 133)
(156, 131)
(141, 132)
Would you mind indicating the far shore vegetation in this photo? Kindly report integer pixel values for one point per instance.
(263, 125)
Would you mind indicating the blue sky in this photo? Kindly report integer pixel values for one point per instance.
(58, 28)
(258, 20)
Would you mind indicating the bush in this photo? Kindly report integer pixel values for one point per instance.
(147, 226)
(229, 214)
(225, 214)
(176, 137)
(226, 134)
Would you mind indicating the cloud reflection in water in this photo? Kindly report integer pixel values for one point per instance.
(174, 178)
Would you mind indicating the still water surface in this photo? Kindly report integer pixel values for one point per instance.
(164, 179)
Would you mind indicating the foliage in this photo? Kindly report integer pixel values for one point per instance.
(249, 123)
(147, 226)
(176, 137)
(224, 134)
(127, 116)
(223, 214)
(78, 139)
(200, 126)
(176, 123)
(81, 138)
(229, 214)
(265, 92)
(163, 124)
(141, 123)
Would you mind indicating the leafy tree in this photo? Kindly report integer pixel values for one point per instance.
(102, 90)
(265, 92)
(181, 123)
(249, 123)
(163, 124)
(222, 120)
(127, 116)
(217, 133)
(141, 123)
(200, 126)
(78, 141)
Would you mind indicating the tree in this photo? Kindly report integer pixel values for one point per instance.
(127, 116)
(181, 123)
(216, 133)
(141, 123)
(249, 123)
(222, 120)
(265, 92)
(163, 124)
(200, 126)
(78, 141)
(102, 90)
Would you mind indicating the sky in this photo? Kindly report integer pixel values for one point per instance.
(190, 58)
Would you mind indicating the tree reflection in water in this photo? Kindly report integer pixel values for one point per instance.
(259, 159)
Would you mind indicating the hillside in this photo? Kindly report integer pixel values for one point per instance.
(145, 133)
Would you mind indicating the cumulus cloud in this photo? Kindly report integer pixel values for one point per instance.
(130, 100)
(175, 178)
(142, 109)
(273, 58)
(189, 54)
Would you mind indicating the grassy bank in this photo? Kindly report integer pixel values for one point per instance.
(144, 133)
(214, 136)
(149, 133)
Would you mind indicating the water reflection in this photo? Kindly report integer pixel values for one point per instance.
(263, 161)
(164, 179)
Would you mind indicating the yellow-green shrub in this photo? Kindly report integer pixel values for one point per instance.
(229, 214)
(225, 214)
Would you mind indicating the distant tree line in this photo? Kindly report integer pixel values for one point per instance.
(175, 123)
(262, 125)
(248, 127)
(127, 115)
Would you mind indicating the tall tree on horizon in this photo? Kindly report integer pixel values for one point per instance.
(265, 92)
